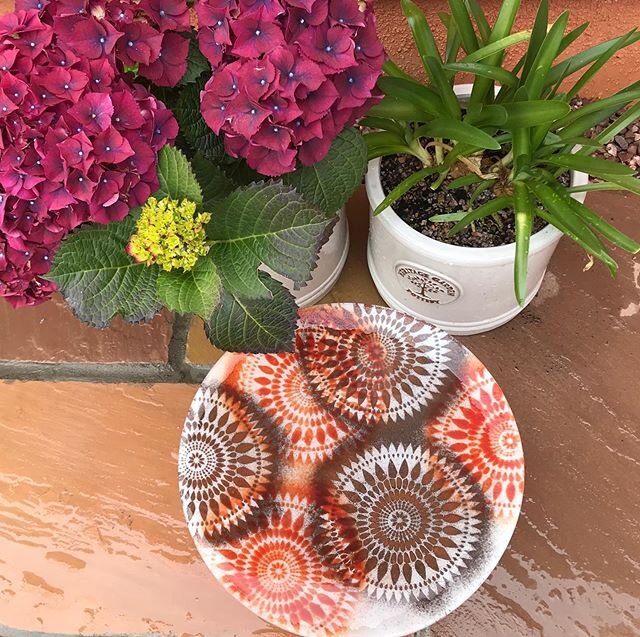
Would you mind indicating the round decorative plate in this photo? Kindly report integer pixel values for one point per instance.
(364, 484)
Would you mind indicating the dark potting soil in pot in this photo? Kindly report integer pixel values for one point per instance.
(420, 203)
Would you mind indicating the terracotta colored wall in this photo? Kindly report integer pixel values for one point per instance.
(608, 19)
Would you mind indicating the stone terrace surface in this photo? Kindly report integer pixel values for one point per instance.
(92, 539)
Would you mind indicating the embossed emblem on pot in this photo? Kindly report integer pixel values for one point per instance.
(427, 285)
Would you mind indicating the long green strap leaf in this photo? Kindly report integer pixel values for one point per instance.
(396, 108)
(410, 90)
(604, 227)
(384, 138)
(443, 87)
(557, 210)
(594, 166)
(606, 105)
(551, 88)
(545, 57)
(454, 41)
(584, 58)
(461, 132)
(422, 35)
(465, 180)
(572, 36)
(524, 215)
(597, 65)
(521, 148)
(484, 185)
(497, 47)
(404, 187)
(465, 26)
(487, 115)
(481, 20)
(383, 123)
(506, 18)
(375, 151)
(532, 113)
(483, 87)
(603, 185)
(489, 208)
(392, 69)
(484, 70)
(628, 117)
(632, 184)
(538, 35)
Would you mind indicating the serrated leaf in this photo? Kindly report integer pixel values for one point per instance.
(214, 182)
(99, 279)
(197, 291)
(268, 224)
(239, 172)
(197, 64)
(176, 176)
(329, 183)
(199, 136)
(241, 325)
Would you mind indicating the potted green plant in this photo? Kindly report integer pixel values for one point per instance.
(485, 178)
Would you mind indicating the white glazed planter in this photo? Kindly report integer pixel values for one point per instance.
(331, 260)
(462, 290)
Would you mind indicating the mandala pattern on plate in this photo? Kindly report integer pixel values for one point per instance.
(387, 368)
(281, 389)
(226, 465)
(417, 517)
(362, 485)
(278, 574)
(481, 430)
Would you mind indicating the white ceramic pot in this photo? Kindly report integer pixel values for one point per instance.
(462, 290)
(331, 260)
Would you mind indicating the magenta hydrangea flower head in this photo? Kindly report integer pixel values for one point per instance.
(288, 75)
(78, 140)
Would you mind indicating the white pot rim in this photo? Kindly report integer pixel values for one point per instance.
(447, 252)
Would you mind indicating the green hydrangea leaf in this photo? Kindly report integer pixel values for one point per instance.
(241, 325)
(197, 64)
(270, 224)
(239, 172)
(194, 292)
(99, 279)
(214, 182)
(192, 125)
(176, 176)
(329, 183)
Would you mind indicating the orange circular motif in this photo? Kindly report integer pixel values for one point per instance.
(480, 429)
(279, 383)
(279, 574)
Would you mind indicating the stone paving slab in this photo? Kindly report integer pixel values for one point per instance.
(92, 538)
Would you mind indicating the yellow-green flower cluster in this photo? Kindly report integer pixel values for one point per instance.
(170, 233)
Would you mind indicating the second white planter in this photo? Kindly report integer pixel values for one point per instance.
(462, 290)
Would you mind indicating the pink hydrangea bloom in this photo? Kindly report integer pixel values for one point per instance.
(288, 75)
(78, 141)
